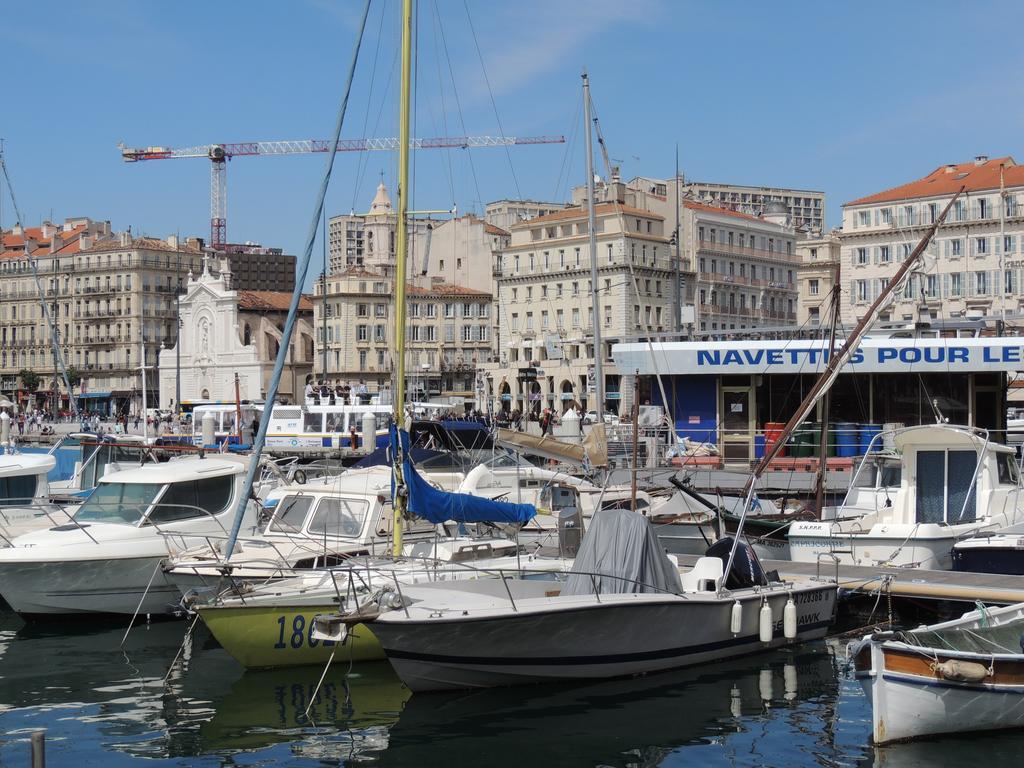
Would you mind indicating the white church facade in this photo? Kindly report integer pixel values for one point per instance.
(224, 333)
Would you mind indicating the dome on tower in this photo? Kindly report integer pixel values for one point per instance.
(381, 202)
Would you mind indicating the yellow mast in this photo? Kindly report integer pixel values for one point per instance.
(400, 259)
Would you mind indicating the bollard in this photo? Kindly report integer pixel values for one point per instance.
(38, 749)
(209, 435)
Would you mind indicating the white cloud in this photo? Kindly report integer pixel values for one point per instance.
(526, 40)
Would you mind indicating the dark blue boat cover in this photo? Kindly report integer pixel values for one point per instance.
(439, 506)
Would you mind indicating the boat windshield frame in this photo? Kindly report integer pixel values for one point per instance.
(100, 498)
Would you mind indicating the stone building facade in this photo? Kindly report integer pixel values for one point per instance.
(972, 267)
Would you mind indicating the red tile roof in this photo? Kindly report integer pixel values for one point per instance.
(577, 212)
(13, 246)
(146, 243)
(947, 179)
(443, 289)
(695, 206)
(272, 301)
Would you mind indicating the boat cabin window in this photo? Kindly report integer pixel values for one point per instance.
(312, 422)
(338, 517)
(626, 504)
(291, 514)
(945, 489)
(193, 498)
(335, 422)
(1007, 465)
(117, 503)
(17, 491)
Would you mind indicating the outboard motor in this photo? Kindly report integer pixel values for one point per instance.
(570, 531)
(746, 570)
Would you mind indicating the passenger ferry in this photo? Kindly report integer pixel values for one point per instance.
(225, 422)
(324, 426)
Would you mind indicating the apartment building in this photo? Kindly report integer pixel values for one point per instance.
(112, 298)
(545, 304)
(448, 334)
(746, 267)
(806, 208)
(457, 251)
(972, 267)
(257, 268)
(507, 213)
(368, 239)
(817, 274)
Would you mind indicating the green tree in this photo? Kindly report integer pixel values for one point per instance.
(30, 380)
(74, 376)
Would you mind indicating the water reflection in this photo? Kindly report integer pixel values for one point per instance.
(99, 702)
(720, 710)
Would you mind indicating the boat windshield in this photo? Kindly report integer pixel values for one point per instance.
(118, 503)
(338, 517)
(291, 513)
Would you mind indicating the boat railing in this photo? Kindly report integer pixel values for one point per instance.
(148, 520)
(40, 508)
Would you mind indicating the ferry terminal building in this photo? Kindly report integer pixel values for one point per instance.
(726, 392)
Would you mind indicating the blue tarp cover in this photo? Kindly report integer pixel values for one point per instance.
(440, 506)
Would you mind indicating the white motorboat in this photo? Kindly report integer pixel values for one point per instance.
(957, 676)
(271, 624)
(107, 558)
(25, 495)
(623, 610)
(954, 483)
(310, 525)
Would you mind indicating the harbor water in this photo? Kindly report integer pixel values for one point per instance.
(103, 704)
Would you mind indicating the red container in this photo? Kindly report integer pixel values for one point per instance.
(772, 432)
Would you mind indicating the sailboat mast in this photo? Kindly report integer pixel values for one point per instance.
(592, 236)
(401, 245)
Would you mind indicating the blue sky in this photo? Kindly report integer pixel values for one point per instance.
(850, 98)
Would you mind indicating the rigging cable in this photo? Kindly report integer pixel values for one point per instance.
(58, 353)
(302, 269)
(490, 92)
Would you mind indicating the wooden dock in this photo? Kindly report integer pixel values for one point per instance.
(988, 588)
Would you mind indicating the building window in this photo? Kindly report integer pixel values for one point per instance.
(981, 282)
(884, 254)
(862, 255)
(362, 310)
(431, 310)
(812, 287)
(575, 317)
(956, 287)
(955, 247)
(362, 333)
(449, 309)
(981, 243)
(862, 290)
